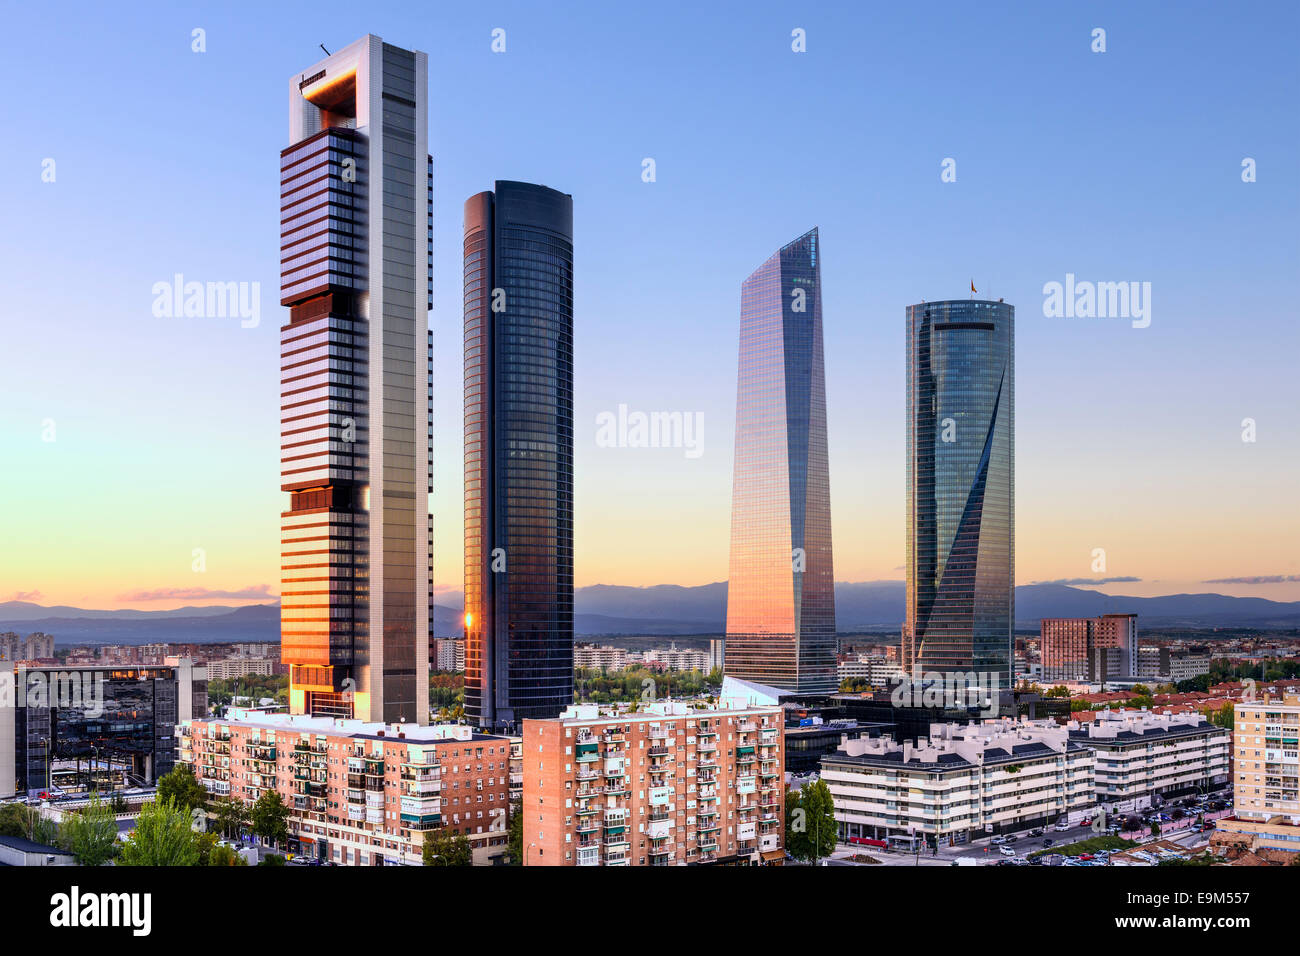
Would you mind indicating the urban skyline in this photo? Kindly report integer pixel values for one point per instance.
(514, 271)
(656, 318)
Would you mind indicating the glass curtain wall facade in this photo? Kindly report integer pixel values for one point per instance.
(960, 488)
(781, 583)
(356, 277)
(518, 454)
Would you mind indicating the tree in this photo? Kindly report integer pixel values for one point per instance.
(810, 828)
(515, 847)
(442, 848)
(17, 820)
(91, 834)
(273, 859)
(181, 790)
(204, 843)
(231, 817)
(13, 820)
(1060, 690)
(162, 837)
(270, 818)
(225, 856)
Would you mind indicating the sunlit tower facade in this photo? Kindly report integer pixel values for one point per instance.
(356, 250)
(960, 489)
(518, 454)
(781, 583)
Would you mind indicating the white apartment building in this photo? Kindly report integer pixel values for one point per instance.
(965, 780)
(1141, 755)
(877, 670)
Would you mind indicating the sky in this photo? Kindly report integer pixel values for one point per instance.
(130, 440)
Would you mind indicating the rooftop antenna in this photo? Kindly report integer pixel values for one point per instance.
(327, 52)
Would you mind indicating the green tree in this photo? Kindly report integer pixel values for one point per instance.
(162, 837)
(515, 847)
(273, 859)
(270, 818)
(181, 790)
(18, 820)
(91, 834)
(204, 843)
(13, 820)
(442, 848)
(225, 856)
(231, 817)
(1058, 691)
(810, 826)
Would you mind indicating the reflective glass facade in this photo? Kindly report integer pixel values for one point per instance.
(781, 590)
(356, 276)
(518, 454)
(960, 487)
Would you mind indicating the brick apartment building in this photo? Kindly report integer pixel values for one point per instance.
(666, 785)
(360, 793)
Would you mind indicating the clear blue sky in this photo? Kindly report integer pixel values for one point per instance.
(1123, 165)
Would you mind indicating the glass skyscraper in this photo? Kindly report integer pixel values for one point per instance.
(781, 583)
(355, 274)
(960, 488)
(518, 454)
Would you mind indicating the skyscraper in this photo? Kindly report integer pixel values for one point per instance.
(355, 273)
(960, 488)
(518, 454)
(781, 585)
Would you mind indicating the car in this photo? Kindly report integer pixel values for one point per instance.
(1036, 832)
(1086, 857)
(1086, 823)
(998, 840)
(1048, 841)
(1019, 861)
(1061, 827)
(1006, 851)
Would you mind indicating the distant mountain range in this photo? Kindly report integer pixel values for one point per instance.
(664, 609)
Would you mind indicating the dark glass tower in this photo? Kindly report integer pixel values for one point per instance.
(781, 585)
(518, 454)
(354, 406)
(960, 488)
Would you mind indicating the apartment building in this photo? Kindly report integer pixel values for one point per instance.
(1142, 755)
(33, 647)
(1266, 787)
(964, 780)
(667, 784)
(240, 666)
(360, 793)
(599, 655)
(876, 670)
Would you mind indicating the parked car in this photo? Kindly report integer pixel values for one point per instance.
(998, 840)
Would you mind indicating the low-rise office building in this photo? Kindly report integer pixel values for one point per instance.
(359, 793)
(665, 784)
(963, 781)
(67, 727)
